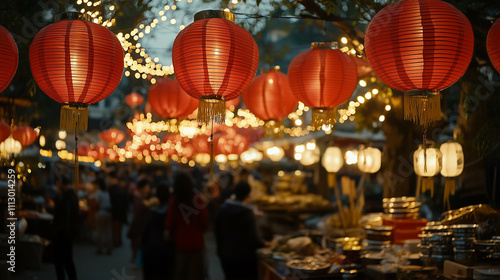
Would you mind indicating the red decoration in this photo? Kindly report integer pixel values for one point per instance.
(420, 47)
(322, 78)
(9, 58)
(98, 152)
(112, 136)
(134, 99)
(169, 100)
(363, 66)
(4, 131)
(201, 143)
(493, 45)
(25, 135)
(270, 98)
(233, 103)
(84, 149)
(76, 63)
(214, 60)
(231, 144)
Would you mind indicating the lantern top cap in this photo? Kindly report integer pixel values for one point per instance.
(214, 14)
(325, 45)
(264, 70)
(71, 16)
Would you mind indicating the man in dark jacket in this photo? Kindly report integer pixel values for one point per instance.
(65, 228)
(236, 236)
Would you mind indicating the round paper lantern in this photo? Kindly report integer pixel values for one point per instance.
(275, 153)
(10, 146)
(427, 163)
(77, 63)
(9, 58)
(169, 100)
(310, 157)
(251, 155)
(214, 60)
(4, 131)
(369, 159)
(453, 165)
(113, 136)
(231, 144)
(420, 47)
(270, 98)
(25, 135)
(232, 104)
(493, 45)
(134, 99)
(322, 78)
(332, 159)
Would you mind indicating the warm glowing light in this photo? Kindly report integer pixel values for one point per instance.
(381, 118)
(362, 83)
(62, 134)
(387, 107)
(351, 157)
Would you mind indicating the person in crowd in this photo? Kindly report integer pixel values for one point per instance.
(236, 236)
(66, 211)
(157, 253)
(187, 220)
(103, 218)
(243, 175)
(141, 213)
(120, 199)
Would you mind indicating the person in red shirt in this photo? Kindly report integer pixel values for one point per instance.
(187, 220)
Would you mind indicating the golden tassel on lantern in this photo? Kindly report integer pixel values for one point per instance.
(74, 117)
(449, 189)
(422, 107)
(212, 107)
(323, 116)
(273, 129)
(428, 185)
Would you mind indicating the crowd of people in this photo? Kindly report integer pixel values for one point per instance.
(166, 218)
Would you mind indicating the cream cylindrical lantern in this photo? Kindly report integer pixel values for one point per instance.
(427, 162)
(369, 159)
(453, 165)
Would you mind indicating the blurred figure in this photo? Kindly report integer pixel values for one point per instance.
(187, 220)
(157, 253)
(120, 199)
(66, 212)
(103, 218)
(236, 236)
(243, 175)
(141, 213)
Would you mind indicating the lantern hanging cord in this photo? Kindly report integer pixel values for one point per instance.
(77, 179)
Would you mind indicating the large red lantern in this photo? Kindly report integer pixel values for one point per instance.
(77, 63)
(4, 131)
(9, 58)
(214, 60)
(169, 100)
(420, 47)
(25, 135)
(322, 78)
(134, 99)
(493, 45)
(270, 98)
(112, 136)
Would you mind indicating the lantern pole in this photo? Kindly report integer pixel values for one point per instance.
(77, 175)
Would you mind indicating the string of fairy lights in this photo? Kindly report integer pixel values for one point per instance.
(139, 65)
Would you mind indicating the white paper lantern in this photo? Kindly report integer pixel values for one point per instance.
(310, 157)
(10, 146)
(453, 159)
(369, 159)
(427, 162)
(332, 159)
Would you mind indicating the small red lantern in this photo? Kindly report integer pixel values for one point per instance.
(84, 149)
(112, 136)
(25, 135)
(134, 99)
(322, 78)
(493, 45)
(169, 100)
(214, 60)
(270, 98)
(4, 131)
(231, 144)
(77, 63)
(9, 58)
(420, 47)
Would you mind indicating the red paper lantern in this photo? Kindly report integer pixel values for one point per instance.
(270, 98)
(112, 136)
(231, 144)
(25, 135)
(169, 100)
(233, 103)
(201, 143)
(420, 47)
(84, 149)
(4, 131)
(322, 78)
(76, 63)
(134, 99)
(9, 58)
(363, 67)
(214, 60)
(493, 45)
